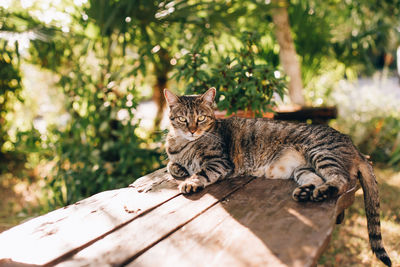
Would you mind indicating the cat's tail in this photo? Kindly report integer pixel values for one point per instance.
(369, 185)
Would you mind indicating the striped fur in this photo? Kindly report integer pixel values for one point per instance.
(324, 162)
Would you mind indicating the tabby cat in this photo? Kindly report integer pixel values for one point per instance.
(323, 162)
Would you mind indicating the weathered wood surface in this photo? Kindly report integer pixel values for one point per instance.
(259, 225)
(48, 238)
(241, 222)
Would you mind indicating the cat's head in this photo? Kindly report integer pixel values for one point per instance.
(191, 116)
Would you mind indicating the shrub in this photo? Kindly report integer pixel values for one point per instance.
(368, 112)
(98, 150)
(244, 79)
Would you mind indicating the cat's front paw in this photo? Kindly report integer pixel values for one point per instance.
(190, 185)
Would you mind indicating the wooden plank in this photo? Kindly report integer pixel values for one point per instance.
(57, 234)
(259, 225)
(136, 237)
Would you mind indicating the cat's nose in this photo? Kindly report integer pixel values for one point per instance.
(192, 130)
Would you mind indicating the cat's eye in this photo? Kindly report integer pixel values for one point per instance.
(201, 118)
(182, 119)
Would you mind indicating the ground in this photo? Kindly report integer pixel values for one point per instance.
(19, 200)
(348, 246)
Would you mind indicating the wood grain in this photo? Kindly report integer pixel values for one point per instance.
(259, 225)
(136, 237)
(47, 238)
(245, 221)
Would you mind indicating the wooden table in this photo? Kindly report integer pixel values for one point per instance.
(245, 221)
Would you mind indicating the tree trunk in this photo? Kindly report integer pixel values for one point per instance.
(162, 68)
(287, 51)
(158, 98)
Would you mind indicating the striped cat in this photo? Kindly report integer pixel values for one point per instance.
(323, 162)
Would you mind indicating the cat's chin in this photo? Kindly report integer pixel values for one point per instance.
(190, 137)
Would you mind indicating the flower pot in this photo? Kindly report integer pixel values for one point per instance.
(221, 114)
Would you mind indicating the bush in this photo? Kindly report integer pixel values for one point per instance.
(244, 78)
(10, 87)
(368, 112)
(98, 150)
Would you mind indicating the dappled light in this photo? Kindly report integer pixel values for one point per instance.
(82, 107)
(348, 244)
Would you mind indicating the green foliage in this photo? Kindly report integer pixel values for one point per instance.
(395, 157)
(244, 79)
(17, 31)
(370, 115)
(363, 42)
(342, 40)
(312, 36)
(355, 33)
(99, 150)
(383, 140)
(10, 87)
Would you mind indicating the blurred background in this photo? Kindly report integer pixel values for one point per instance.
(82, 110)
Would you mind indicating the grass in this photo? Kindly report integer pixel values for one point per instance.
(349, 244)
(19, 200)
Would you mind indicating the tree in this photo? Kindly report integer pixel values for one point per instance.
(154, 29)
(17, 31)
(287, 52)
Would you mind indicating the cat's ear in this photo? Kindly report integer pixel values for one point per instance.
(209, 96)
(171, 98)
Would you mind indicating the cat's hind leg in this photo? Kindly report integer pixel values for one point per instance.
(308, 180)
(336, 172)
(334, 185)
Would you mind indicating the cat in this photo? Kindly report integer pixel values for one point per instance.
(323, 162)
